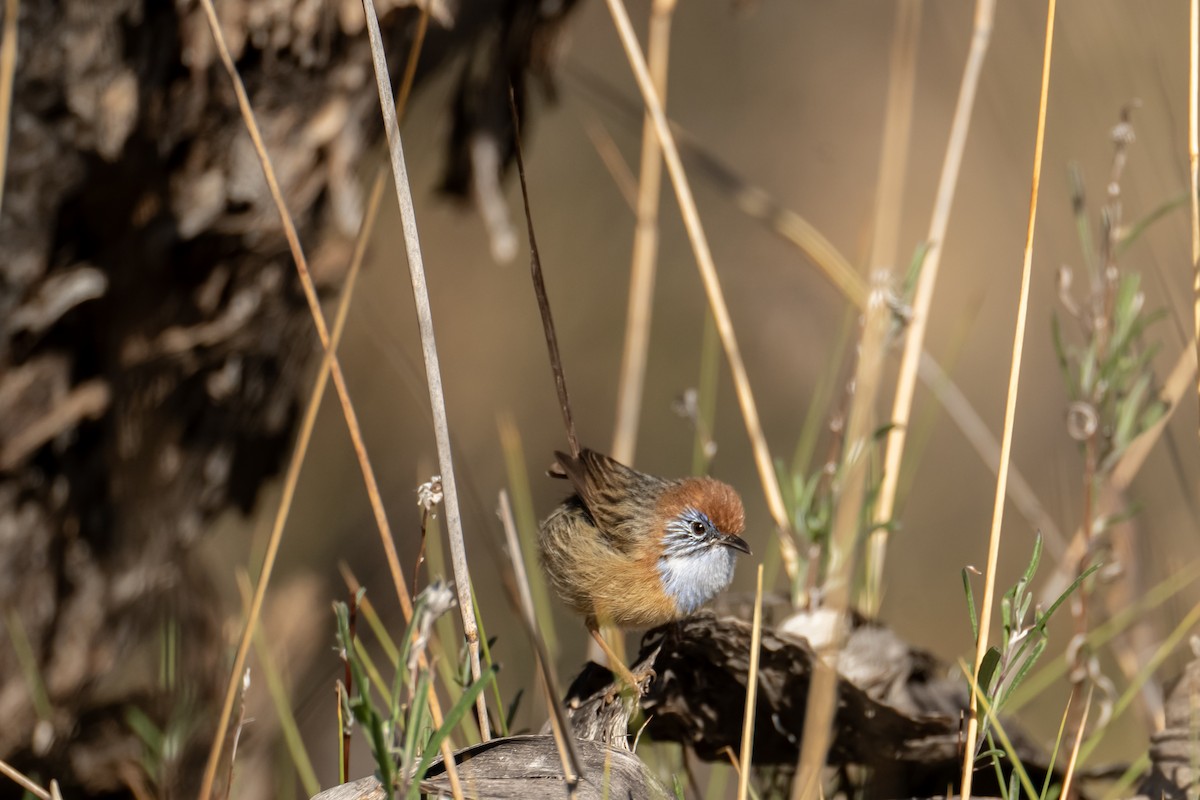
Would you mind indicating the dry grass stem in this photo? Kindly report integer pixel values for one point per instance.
(504, 511)
(21, 780)
(1194, 164)
(559, 725)
(897, 127)
(712, 285)
(8, 71)
(860, 426)
(914, 344)
(539, 288)
(751, 690)
(1010, 409)
(610, 156)
(1069, 775)
(645, 248)
(433, 374)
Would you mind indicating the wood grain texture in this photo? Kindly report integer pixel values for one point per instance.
(527, 768)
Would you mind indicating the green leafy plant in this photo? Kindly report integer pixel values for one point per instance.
(1023, 639)
(397, 722)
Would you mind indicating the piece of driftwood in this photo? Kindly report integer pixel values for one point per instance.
(698, 699)
(527, 767)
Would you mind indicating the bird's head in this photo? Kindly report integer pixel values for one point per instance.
(702, 520)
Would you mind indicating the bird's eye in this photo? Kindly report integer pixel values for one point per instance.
(698, 527)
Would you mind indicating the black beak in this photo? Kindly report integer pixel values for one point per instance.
(734, 542)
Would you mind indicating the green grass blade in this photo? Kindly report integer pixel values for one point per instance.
(451, 720)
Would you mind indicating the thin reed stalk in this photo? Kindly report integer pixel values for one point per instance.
(1194, 165)
(1010, 409)
(559, 726)
(751, 691)
(527, 529)
(8, 72)
(914, 344)
(19, 778)
(897, 127)
(1069, 775)
(712, 286)
(632, 378)
(433, 375)
(610, 156)
(860, 426)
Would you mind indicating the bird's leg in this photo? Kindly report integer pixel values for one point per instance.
(614, 662)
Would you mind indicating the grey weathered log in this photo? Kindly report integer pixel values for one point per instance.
(527, 767)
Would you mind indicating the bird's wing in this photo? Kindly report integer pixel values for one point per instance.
(619, 500)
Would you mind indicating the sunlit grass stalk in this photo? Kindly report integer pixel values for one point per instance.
(751, 690)
(1194, 163)
(1069, 775)
(433, 376)
(527, 530)
(610, 156)
(1010, 409)
(343, 758)
(712, 284)
(914, 343)
(997, 727)
(8, 71)
(847, 519)
(486, 652)
(897, 127)
(445, 637)
(559, 726)
(632, 376)
(279, 698)
(19, 778)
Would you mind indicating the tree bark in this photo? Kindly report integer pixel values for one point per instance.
(154, 345)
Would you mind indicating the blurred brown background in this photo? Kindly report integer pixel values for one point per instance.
(791, 95)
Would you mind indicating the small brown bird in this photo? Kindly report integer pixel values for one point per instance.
(636, 551)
